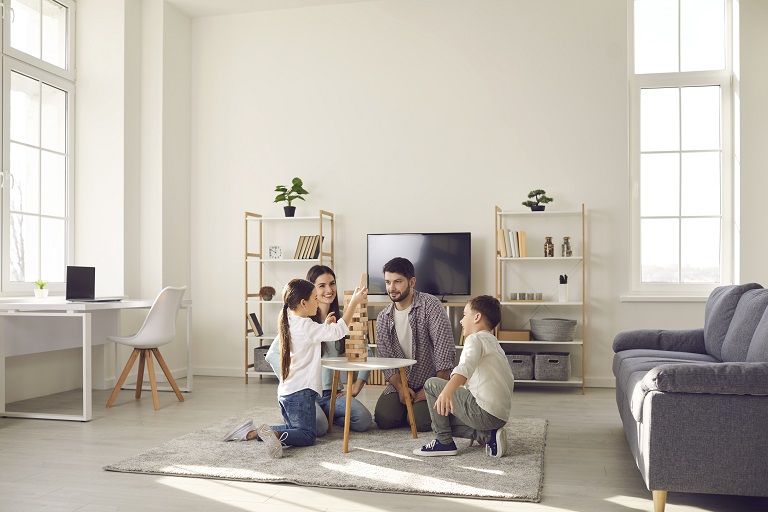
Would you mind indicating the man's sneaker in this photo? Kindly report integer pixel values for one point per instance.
(240, 432)
(271, 442)
(436, 449)
(497, 444)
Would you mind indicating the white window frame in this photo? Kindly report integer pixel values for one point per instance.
(64, 79)
(637, 82)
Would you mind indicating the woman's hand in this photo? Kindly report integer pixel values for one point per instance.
(357, 387)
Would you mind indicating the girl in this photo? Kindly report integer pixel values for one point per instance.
(301, 383)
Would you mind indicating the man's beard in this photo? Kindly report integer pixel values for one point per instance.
(403, 295)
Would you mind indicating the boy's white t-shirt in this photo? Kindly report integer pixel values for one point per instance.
(306, 340)
(403, 330)
(489, 377)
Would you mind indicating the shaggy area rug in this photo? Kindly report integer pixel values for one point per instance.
(378, 460)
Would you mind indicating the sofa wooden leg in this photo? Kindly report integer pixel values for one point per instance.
(659, 500)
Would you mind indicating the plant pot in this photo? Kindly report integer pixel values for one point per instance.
(41, 293)
(266, 297)
(289, 210)
(538, 208)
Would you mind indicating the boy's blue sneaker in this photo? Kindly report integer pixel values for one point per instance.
(497, 444)
(436, 449)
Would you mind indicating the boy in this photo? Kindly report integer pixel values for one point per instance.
(477, 400)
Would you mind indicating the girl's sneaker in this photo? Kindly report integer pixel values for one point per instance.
(271, 442)
(240, 432)
(497, 444)
(436, 449)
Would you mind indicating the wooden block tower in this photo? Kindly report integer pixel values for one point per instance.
(355, 346)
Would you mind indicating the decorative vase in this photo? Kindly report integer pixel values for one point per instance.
(537, 208)
(562, 292)
(266, 297)
(41, 293)
(567, 252)
(289, 210)
(549, 248)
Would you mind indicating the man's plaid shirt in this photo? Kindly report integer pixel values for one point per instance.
(434, 348)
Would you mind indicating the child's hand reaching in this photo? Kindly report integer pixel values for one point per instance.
(361, 292)
(331, 318)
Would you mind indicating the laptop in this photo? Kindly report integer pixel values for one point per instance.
(81, 286)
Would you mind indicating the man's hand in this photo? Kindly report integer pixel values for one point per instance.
(420, 396)
(402, 395)
(444, 403)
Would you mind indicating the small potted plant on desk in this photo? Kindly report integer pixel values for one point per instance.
(290, 194)
(538, 199)
(266, 292)
(41, 291)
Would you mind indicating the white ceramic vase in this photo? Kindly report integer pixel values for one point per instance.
(41, 293)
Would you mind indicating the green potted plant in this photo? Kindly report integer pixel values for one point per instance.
(290, 194)
(266, 292)
(41, 291)
(537, 200)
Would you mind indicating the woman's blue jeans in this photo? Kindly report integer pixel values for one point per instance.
(299, 414)
(360, 418)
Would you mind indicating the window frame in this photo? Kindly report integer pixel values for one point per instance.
(637, 82)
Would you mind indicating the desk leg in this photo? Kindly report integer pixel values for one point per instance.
(334, 387)
(87, 370)
(408, 404)
(348, 412)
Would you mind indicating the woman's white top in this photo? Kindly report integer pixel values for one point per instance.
(489, 377)
(306, 338)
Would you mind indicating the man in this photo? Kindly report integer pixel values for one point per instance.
(414, 326)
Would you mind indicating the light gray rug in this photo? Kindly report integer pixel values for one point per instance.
(378, 460)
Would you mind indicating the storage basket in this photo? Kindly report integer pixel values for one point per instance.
(260, 364)
(521, 364)
(552, 366)
(553, 329)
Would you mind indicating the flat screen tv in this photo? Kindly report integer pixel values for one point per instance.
(442, 261)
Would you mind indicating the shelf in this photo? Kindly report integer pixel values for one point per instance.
(542, 258)
(573, 381)
(546, 213)
(539, 342)
(264, 337)
(280, 260)
(258, 219)
(539, 303)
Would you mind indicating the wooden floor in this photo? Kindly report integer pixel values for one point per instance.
(56, 465)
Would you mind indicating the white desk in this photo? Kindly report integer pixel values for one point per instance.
(29, 326)
(339, 364)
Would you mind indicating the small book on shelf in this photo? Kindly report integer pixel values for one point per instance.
(523, 244)
(299, 247)
(255, 327)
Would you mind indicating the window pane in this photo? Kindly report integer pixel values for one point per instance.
(656, 36)
(25, 26)
(659, 253)
(25, 179)
(24, 247)
(701, 184)
(660, 184)
(702, 35)
(53, 239)
(54, 33)
(659, 119)
(53, 119)
(700, 112)
(700, 245)
(53, 185)
(25, 109)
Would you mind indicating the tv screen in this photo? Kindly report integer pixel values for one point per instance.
(442, 261)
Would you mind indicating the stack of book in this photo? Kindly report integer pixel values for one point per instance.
(309, 247)
(512, 244)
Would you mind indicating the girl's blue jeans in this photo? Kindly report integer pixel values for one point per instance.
(299, 414)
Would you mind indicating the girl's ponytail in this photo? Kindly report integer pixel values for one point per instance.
(294, 292)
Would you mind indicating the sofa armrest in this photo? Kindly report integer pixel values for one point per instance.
(684, 340)
(709, 378)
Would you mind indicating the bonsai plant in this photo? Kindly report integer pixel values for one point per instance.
(40, 291)
(290, 194)
(266, 292)
(537, 200)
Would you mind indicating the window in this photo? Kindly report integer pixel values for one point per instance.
(37, 142)
(681, 149)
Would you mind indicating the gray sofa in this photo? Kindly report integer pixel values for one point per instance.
(693, 402)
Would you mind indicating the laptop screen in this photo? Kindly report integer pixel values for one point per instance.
(81, 283)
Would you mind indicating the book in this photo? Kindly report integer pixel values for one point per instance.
(523, 244)
(305, 247)
(515, 243)
(255, 326)
(298, 247)
(318, 247)
(508, 243)
(502, 245)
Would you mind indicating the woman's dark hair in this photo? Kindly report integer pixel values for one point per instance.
(294, 292)
(312, 275)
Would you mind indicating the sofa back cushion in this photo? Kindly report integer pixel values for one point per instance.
(718, 313)
(758, 348)
(748, 314)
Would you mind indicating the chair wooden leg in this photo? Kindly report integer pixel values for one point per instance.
(152, 381)
(123, 376)
(659, 500)
(168, 375)
(140, 376)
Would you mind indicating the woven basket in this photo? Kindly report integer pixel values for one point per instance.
(553, 329)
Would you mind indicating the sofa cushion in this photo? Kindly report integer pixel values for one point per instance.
(758, 348)
(659, 356)
(748, 314)
(718, 313)
(737, 378)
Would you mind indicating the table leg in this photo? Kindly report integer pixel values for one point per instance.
(334, 387)
(348, 412)
(408, 404)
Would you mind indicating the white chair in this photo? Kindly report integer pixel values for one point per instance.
(159, 328)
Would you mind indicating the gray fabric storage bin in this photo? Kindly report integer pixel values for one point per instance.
(552, 366)
(260, 364)
(521, 364)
